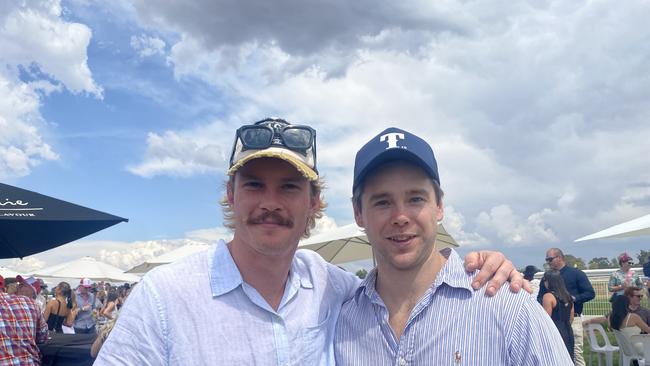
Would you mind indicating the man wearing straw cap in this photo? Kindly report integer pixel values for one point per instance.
(256, 299)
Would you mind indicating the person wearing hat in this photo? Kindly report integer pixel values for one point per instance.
(255, 300)
(29, 287)
(418, 307)
(87, 304)
(22, 327)
(624, 277)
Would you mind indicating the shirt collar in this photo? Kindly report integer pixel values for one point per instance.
(452, 274)
(224, 275)
(222, 270)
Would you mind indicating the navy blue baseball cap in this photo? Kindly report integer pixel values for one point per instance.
(394, 144)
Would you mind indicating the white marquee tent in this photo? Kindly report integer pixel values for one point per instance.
(348, 243)
(637, 227)
(168, 257)
(87, 267)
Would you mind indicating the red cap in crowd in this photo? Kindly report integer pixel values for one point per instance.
(32, 282)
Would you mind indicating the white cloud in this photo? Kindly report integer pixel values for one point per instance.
(454, 222)
(124, 255)
(51, 54)
(179, 154)
(536, 112)
(26, 265)
(21, 145)
(37, 35)
(147, 46)
(512, 230)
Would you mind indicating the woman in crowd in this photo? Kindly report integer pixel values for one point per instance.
(558, 303)
(623, 320)
(58, 311)
(101, 295)
(109, 310)
(624, 277)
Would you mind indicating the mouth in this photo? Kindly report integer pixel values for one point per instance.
(401, 239)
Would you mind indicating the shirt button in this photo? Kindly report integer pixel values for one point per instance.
(402, 361)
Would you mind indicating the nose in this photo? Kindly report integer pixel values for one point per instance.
(270, 201)
(400, 218)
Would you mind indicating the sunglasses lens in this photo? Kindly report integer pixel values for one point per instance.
(297, 138)
(256, 137)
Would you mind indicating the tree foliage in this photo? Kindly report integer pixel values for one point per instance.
(643, 256)
(599, 263)
(573, 261)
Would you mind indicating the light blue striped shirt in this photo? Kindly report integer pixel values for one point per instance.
(198, 311)
(450, 325)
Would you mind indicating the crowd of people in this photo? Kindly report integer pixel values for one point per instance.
(28, 311)
(563, 290)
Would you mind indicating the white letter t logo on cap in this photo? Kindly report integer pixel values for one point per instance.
(391, 139)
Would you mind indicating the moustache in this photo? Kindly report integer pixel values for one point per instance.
(270, 217)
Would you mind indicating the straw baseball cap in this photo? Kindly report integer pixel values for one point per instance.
(269, 138)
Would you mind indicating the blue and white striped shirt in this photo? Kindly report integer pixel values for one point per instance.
(450, 325)
(199, 311)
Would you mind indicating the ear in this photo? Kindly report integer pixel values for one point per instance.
(230, 192)
(358, 216)
(314, 204)
(441, 211)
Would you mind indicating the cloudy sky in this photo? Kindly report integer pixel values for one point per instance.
(537, 111)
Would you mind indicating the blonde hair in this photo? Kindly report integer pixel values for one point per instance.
(316, 190)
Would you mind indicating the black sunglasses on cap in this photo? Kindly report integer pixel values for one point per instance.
(275, 132)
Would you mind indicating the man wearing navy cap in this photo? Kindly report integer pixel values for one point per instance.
(417, 307)
(255, 300)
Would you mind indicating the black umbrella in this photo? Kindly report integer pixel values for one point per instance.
(31, 222)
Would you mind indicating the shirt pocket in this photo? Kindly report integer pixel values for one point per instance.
(317, 342)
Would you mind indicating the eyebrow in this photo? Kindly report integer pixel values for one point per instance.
(383, 195)
(298, 178)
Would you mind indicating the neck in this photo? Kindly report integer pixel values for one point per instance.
(267, 274)
(633, 307)
(402, 289)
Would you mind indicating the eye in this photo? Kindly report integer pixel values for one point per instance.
(381, 203)
(251, 184)
(417, 199)
(290, 187)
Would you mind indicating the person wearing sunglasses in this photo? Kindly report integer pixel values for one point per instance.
(624, 277)
(255, 300)
(635, 294)
(579, 288)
